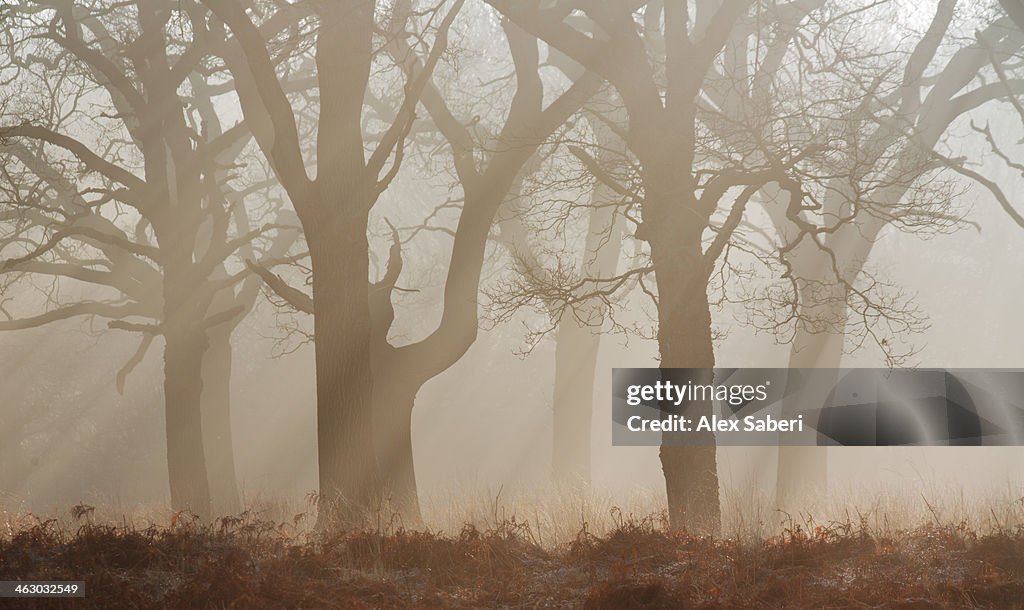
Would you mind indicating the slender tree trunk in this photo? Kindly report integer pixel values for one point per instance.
(186, 459)
(349, 480)
(216, 409)
(803, 471)
(576, 350)
(578, 339)
(819, 342)
(393, 400)
(12, 460)
(577, 343)
(395, 395)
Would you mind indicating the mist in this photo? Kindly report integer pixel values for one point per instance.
(319, 262)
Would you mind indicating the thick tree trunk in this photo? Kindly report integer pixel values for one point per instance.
(349, 480)
(674, 220)
(393, 401)
(216, 409)
(685, 341)
(186, 459)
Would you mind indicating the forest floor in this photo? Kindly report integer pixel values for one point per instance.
(248, 563)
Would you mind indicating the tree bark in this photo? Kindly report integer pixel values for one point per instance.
(393, 401)
(349, 480)
(685, 341)
(406, 369)
(183, 384)
(216, 410)
(409, 367)
(691, 472)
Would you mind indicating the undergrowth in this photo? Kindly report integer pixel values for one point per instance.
(246, 562)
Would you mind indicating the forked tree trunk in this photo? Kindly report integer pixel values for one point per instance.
(349, 480)
(183, 384)
(216, 410)
(405, 374)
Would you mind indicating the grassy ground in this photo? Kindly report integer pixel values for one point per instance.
(247, 563)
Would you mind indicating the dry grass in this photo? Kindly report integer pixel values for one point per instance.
(248, 562)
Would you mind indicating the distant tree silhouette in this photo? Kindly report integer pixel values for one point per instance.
(894, 176)
(576, 329)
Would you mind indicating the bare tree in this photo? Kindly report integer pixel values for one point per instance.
(148, 222)
(893, 178)
(523, 230)
(333, 207)
(485, 170)
(658, 57)
(578, 336)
